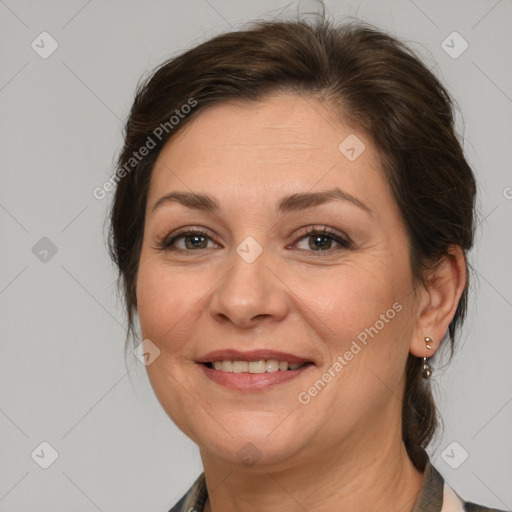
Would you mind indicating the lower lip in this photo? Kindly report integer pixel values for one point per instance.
(252, 381)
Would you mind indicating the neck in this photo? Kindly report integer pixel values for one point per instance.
(366, 476)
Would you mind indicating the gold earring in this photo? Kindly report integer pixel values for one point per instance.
(426, 369)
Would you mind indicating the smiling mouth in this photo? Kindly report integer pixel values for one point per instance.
(257, 366)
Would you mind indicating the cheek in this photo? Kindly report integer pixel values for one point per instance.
(167, 299)
(363, 310)
(167, 302)
(363, 313)
(353, 297)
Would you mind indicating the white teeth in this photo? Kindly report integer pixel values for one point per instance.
(240, 366)
(227, 366)
(260, 366)
(272, 365)
(257, 367)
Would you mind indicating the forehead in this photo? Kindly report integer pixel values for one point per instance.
(284, 143)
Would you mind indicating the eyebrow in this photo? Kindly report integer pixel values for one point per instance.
(294, 202)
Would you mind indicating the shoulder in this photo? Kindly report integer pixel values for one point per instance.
(452, 502)
(473, 507)
(194, 499)
(436, 495)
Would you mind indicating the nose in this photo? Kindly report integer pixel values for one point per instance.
(249, 293)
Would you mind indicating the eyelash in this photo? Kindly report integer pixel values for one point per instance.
(166, 242)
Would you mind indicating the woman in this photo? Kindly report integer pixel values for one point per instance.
(290, 223)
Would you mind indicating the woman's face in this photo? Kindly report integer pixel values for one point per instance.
(275, 271)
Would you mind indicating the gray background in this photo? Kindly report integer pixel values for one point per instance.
(63, 377)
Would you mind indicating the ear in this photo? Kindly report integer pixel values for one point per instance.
(438, 300)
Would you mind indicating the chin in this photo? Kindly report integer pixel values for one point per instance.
(251, 453)
(257, 439)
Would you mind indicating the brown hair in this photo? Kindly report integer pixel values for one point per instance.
(375, 83)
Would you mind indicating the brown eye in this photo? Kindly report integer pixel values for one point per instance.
(187, 241)
(195, 241)
(320, 242)
(317, 240)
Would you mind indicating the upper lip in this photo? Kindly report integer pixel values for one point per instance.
(253, 355)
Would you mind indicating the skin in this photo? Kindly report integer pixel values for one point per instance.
(342, 450)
